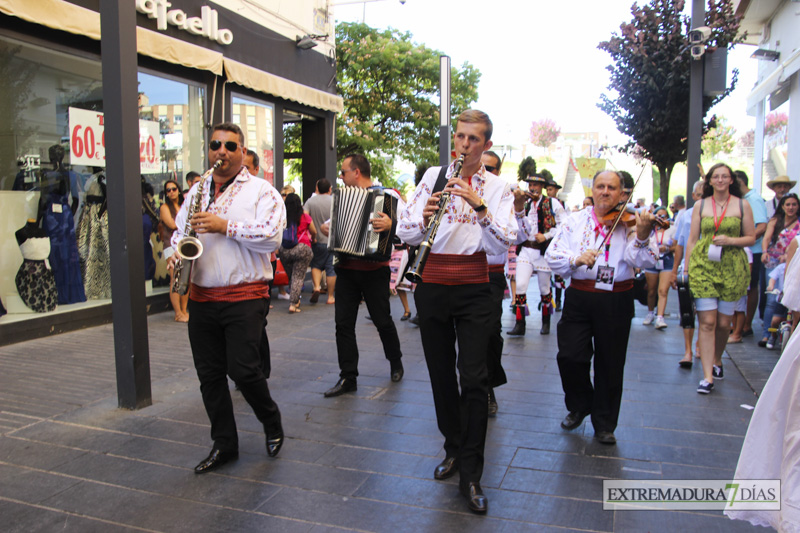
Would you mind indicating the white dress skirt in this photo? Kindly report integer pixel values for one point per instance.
(791, 284)
(771, 449)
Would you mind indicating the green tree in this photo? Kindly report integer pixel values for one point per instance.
(719, 139)
(650, 76)
(390, 87)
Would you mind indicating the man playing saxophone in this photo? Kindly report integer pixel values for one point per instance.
(454, 299)
(240, 221)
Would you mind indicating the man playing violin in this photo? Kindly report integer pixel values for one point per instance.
(537, 222)
(600, 257)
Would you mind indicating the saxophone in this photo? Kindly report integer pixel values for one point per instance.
(414, 273)
(190, 247)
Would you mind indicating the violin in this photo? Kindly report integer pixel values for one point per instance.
(627, 218)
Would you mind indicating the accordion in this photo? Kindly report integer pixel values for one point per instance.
(351, 231)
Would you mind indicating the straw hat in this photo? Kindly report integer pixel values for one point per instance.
(781, 179)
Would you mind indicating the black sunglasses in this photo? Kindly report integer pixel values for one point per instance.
(171, 189)
(230, 146)
(490, 168)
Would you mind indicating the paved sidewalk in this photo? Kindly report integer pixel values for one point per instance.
(70, 460)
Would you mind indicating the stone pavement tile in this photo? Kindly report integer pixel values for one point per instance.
(162, 513)
(664, 454)
(293, 474)
(22, 452)
(669, 522)
(671, 471)
(175, 431)
(181, 483)
(426, 411)
(162, 452)
(368, 438)
(21, 518)
(719, 423)
(601, 467)
(343, 418)
(359, 400)
(74, 436)
(728, 443)
(549, 510)
(553, 484)
(31, 486)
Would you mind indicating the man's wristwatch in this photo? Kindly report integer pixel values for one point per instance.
(481, 207)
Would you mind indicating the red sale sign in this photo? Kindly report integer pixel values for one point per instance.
(87, 141)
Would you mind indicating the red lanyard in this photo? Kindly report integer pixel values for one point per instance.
(661, 240)
(717, 224)
(600, 231)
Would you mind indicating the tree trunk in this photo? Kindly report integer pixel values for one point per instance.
(665, 172)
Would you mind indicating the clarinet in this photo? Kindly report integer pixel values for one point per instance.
(414, 273)
(190, 247)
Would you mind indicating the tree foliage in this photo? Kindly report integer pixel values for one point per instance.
(719, 139)
(526, 168)
(390, 87)
(544, 132)
(650, 77)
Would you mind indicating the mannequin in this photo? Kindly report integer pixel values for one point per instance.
(93, 244)
(35, 282)
(55, 213)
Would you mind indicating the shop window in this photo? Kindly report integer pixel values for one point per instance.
(259, 127)
(53, 176)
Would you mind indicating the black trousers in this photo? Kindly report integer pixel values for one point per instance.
(228, 339)
(450, 314)
(497, 376)
(373, 286)
(594, 324)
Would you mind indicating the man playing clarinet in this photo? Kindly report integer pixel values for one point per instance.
(598, 306)
(454, 298)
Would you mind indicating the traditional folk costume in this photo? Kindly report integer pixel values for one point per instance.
(598, 308)
(543, 216)
(454, 305)
(229, 301)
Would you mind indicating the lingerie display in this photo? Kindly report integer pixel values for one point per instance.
(93, 245)
(35, 282)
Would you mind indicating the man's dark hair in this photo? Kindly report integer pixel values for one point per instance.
(323, 186)
(231, 127)
(497, 157)
(742, 175)
(627, 180)
(254, 155)
(360, 162)
(191, 175)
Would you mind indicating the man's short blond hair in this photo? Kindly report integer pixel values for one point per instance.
(474, 116)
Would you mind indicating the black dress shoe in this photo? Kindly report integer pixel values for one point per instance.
(274, 441)
(342, 386)
(573, 420)
(492, 403)
(397, 374)
(446, 468)
(476, 501)
(214, 460)
(605, 437)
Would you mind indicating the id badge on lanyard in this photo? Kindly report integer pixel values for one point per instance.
(605, 272)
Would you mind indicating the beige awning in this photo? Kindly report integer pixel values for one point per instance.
(64, 16)
(264, 82)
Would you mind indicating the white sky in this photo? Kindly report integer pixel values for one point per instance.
(538, 58)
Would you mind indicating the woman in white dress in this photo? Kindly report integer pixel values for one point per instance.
(771, 449)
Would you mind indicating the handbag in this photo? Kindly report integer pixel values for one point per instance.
(640, 288)
(280, 277)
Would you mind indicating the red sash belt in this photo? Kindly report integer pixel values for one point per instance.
(235, 293)
(455, 269)
(497, 269)
(588, 285)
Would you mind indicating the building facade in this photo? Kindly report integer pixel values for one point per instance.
(200, 62)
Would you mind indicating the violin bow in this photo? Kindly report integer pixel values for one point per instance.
(619, 215)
